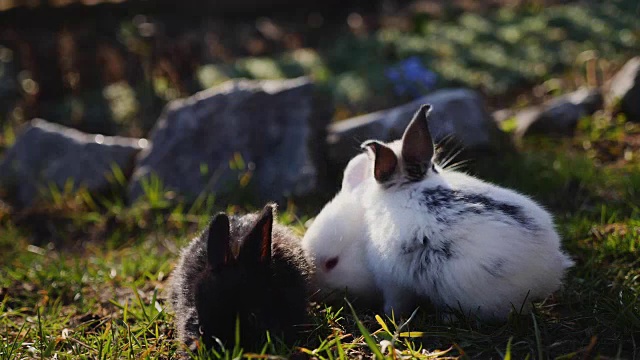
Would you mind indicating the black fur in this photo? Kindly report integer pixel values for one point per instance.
(444, 251)
(436, 254)
(466, 203)
(431, 261)
(415, 172)
(264, 295)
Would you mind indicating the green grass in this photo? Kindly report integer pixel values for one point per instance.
(84, 278)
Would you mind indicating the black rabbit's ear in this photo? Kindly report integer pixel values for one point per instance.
(218, 250)
(417, 145)
(385, 160)
(257, 244)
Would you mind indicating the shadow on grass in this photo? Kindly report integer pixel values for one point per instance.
(592, 193)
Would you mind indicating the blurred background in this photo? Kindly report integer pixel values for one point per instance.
(495, 70)
(110, 66)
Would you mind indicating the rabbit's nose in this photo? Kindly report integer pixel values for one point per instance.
(330, 263)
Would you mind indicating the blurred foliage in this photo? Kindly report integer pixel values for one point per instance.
(493, 52)
(143, 64)
(498, 51)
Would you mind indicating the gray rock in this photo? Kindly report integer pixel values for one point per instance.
(457, 113)
(270, 124)
(48, 154)
(625, 88)
(556, 117)
(591, 100)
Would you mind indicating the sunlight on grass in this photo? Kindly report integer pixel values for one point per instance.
(104, 298)
(83, 275)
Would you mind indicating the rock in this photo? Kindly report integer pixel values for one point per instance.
(49, 154)
(591, 100)
(270, 125)
(459, 113)
(556, 117)
(625, 88)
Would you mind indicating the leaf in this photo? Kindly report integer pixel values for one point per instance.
(382, 323)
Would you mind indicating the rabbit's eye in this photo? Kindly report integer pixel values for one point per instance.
(331, 263)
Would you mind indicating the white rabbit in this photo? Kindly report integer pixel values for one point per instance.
(336, 240)
(443, 235)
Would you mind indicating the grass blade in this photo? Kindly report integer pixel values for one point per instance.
(383, 324)
(367, 336)
(507, 354)
(538, 337)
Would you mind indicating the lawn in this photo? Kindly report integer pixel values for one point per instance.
(95, 289)
(83, 276)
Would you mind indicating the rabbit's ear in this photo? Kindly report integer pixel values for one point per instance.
(356, 172)
(256, 247)
(417, 145)
(385, 160)
(218, 250)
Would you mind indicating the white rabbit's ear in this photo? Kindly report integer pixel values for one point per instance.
(385, 162)
(417, 145)
(356, 172)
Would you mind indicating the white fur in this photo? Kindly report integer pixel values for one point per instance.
(339, 232)
(528, 261)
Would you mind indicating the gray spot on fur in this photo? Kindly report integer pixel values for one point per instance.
(496, 267)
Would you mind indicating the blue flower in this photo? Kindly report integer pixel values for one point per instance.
(410, 77)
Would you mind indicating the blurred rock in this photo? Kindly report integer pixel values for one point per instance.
(556, 117)
(457, 113)
(268, 127)
(591, 100)
(625, 87)
(47, 154)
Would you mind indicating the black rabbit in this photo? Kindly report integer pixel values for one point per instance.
(242, 268)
